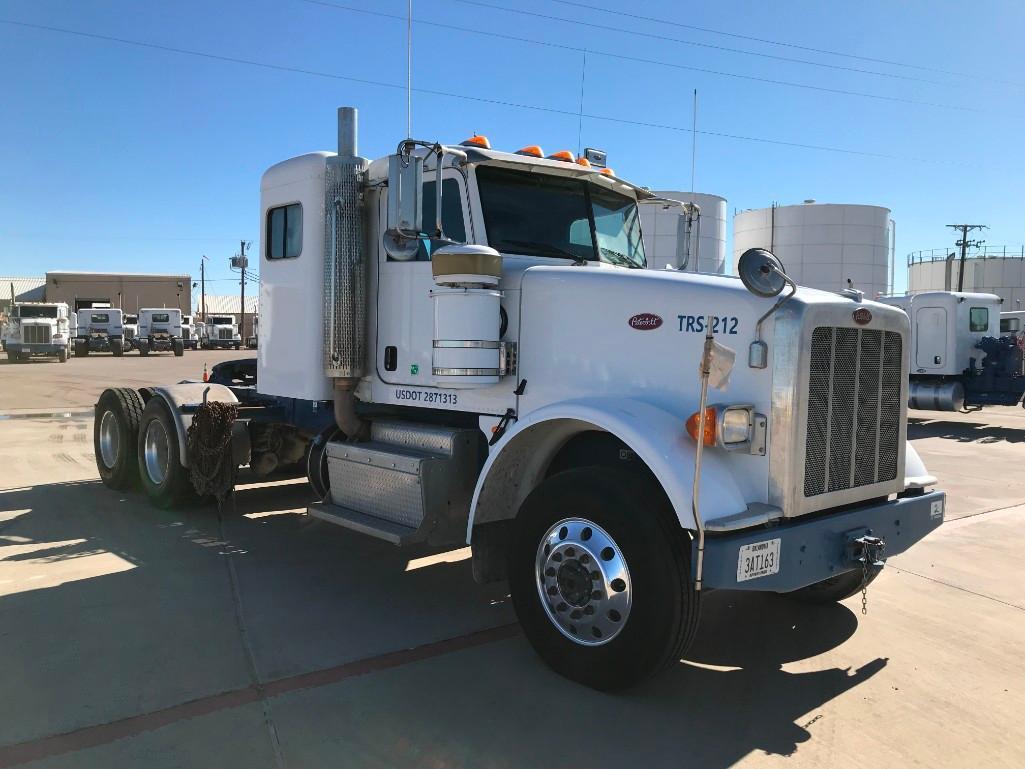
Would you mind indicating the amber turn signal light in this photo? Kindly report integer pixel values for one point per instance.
(710, 418)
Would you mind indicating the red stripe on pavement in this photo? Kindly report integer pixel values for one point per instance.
(91, 736)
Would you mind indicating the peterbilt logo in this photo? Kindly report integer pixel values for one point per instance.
(862, 316)
(645, 321)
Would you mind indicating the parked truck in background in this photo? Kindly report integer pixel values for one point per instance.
(959, 355)
(220, 331)
(189, 333)
(253, 340)
(99, 330)
(37, 329)
(494, 368)
(131, 330)
(160, 330)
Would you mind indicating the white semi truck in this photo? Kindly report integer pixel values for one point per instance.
(254, 340)
(959, 356)
(37, 329)
(221, 331)
(493, 369)
(189, 333)
(131, 330)
(99, 330)
(160, 330)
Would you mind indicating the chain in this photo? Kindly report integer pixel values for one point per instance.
(864, 583)
(210, 456)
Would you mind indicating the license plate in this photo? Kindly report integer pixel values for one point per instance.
(759, 559)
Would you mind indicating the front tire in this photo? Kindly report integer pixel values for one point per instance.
(599, 571)
(62, 355)
(81, 348)
(116, 348)
(115, 435)
(143, 349)
(165, 481)
(179, 348)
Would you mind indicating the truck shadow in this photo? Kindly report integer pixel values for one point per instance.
(125, 585)
(962, 432)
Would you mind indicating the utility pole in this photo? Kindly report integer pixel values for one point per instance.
(964, 243)
(202, 281)
(242, 263)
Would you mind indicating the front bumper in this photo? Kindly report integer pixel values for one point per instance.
(812, 549)
(36, 348)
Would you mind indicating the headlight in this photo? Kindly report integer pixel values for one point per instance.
(731, 427)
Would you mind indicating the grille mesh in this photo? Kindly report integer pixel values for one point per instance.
(854, 409)
(36, 334)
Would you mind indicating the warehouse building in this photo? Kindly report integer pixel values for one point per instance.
(125, 290)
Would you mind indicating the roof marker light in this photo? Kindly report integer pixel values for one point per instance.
(476, 141)
(532, 150)
(607, 172)
(582, 161)
(564, 155)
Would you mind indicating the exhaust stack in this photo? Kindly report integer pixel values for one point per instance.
(345, 306)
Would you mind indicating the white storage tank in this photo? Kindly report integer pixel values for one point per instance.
(659, 230)
(823, 245)
(996, 270)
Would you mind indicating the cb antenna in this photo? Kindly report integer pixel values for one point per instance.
(409, 69)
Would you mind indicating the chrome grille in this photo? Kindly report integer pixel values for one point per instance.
(129, 333)
(854, 409)
(36, 334)
(186, 333)
(224, 333)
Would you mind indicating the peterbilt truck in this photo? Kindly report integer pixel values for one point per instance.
(160, 330)
(959, 354)
(493, 368)
(220, 331)
(37, 329)
(131, 330)
(189, 333)
(99, 330)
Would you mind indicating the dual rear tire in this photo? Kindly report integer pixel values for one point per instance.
(137, 444)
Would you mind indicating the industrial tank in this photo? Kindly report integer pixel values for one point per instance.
(823, 245)
(996, 270)
(659, 229)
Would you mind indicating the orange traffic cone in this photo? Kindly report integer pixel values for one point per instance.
(206, 377)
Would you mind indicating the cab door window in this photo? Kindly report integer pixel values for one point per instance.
(451, 217)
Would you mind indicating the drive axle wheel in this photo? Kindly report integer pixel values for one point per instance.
(599, 571)
(164, 479)
(115, 431)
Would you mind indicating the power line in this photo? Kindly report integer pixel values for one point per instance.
(467, 97)
(781, 43)
(682, 41)
(641, 60)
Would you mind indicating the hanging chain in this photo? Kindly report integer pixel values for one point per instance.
(868, 550)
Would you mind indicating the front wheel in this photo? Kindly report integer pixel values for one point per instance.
(143, 349)
(81, 348)
(116, 348)
(599, 573)
(179, 347)
(62, 355)
(165, 480)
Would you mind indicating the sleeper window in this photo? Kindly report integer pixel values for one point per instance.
(978, 319)
(285, 231)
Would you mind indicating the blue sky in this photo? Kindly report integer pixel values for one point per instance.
(116, 157)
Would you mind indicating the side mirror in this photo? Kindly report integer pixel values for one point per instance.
(405, 194)
(405, 205)
(761, 272)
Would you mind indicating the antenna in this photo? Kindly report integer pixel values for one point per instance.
(580, 114)
(409, 69)
(694, 143)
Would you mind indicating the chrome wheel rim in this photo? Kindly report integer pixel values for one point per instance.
(583, 582)
(110, 440)
(156, 450)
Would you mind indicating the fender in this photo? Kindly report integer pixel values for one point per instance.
(915, 474)
(181, 400)
(518, 462)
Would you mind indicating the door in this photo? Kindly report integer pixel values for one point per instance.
(931, 338)
(405, 311)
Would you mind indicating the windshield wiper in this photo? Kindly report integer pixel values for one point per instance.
(619, 259)
(549, 249)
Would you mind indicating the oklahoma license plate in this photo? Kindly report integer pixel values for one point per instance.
(759, 559)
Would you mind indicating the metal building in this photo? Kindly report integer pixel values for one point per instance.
(660, 234)
(996, 270)
(23, 289)
(125, 290)
(823, 245)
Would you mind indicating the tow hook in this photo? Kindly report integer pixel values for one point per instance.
(868, 551)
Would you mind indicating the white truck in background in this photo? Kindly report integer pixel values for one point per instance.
(131, 330)
(220, 331)
(99, 329)
(189, 333)
(160, 330)
(253, 341)
(494, 368)
(959, 356)
(37, 329)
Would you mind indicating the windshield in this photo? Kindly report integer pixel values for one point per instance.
(161, 317)
(37, 312)
(99, 317)
(544, 215)
(222, 320)
(131, 318)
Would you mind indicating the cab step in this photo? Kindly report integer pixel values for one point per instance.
(395, 533)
